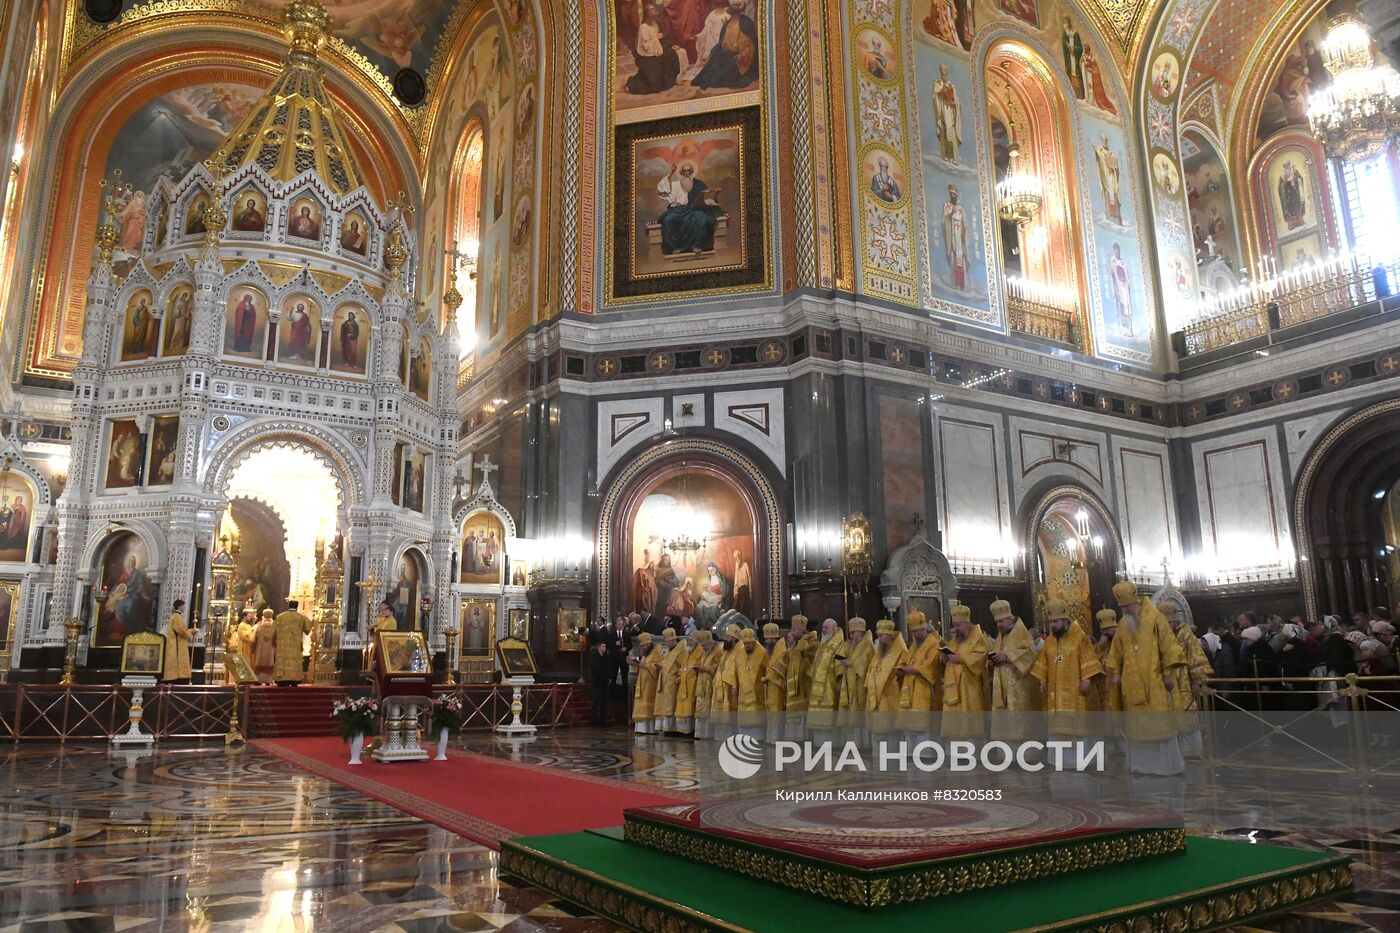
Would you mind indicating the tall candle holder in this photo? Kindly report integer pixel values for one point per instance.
(72, 628)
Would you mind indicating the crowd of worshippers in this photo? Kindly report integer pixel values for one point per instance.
(708, 683)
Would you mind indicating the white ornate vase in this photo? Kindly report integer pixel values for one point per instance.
(357, 745)
(442, 745)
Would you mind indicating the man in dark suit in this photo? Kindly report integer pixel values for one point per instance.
(600, 674)
(652, 624)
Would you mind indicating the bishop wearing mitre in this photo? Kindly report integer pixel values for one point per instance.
(860, 651)
(1015, 693)
(1109, 696)
(721, 717)
(921, 691)
(668, 683)
(706, 656)
(882, 680)
(1188, 691)
(964, 678)
(800, 645)
(825, 700)
(648, 666)
(774, 680)
(1145, 662)
(690, 653)
(1067, 670)
(744, 679)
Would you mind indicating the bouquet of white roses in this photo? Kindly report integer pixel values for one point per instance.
(356, 716)
(447, 712)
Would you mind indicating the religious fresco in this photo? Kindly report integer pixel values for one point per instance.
(1109, 179)
(483, 550)
(304, 219)
(16, 518)
(392, 34)
(123, 469)
(1209, 200)
(298, 331)
(1126, 313)
(403, 593)
(704, 581)
(249, 211)
(165, 437)
(354, 233)
(124, 595)
(688, 205)
(167, 137)
(262, 575)
(140, 328)
(478, 626)
(245, 323)
(1293, 195)
(953, 22)
(179, 317)
(1301, 74)
(685, 56)
(350, 340)
(419, 369)
(415, 480)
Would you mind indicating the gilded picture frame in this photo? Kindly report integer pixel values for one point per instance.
(519, 624)
(143, 654)
(398, 650)
(572, 624)
(478, 628)
(515, 658)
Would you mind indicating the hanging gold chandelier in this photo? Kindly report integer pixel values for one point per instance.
(1358, 113)
(1020, 194)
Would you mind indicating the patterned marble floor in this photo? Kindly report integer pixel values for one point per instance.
(199, 838)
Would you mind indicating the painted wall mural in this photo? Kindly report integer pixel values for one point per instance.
(392, 34)
(1296, 224)
(125, 595)
(1209, 197)
(685, 56)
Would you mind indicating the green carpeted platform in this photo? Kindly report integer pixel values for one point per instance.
(1216, 883)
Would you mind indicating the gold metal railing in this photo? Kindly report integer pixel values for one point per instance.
(1042, 320)
(1300, 303)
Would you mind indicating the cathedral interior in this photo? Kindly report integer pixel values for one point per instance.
(502, 320)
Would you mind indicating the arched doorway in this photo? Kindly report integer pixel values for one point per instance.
(1346, 509)
(690, 528)
(1075, 552)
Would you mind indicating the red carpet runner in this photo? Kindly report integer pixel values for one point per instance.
(482, 798)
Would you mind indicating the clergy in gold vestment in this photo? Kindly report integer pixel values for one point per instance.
(774, 680)
(860, 650)
(964, 678)
(797, 675)
(1187, 691)
(668, 683)
(825, 700)
(687, 697)
(882, 680)
(290, 627)
(1108, 696)
(921, 690)
(647, 664)
(265, 648)
(1067, 669)
(744, 679)
(1145, 661)
(247, 628)
(233, 645)
(177, 647)
(1015, 693)
(722, 710)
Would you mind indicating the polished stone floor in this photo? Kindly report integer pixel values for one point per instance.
(199, 838)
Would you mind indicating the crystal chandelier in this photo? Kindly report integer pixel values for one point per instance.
(1359, 112)
(1020, 194)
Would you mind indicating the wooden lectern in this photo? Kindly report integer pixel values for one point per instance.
(403, 675)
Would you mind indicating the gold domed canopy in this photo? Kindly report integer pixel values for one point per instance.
(293, 127)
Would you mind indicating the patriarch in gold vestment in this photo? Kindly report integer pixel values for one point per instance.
(290, 627)
(860, 650)
(1067, 670)
(882, 680)
(668, 682)
(921, 692)
(825, 700)
(964, 678)
(744, 679)
(648, 666)
(688, 696)
(721, 706)
(1188, 691)
(774, 680)
(800, 645)
(1145, 662)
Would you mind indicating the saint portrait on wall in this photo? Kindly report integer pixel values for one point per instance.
(1164, 173)
(298, 331)
(415, 480)
(194, 214)
(396, 488)
(250, 211)
(141, 328)
(1291, 189)
(1023, 10)
(304, 219)
(349, 340)
(954, 225)
(947, 114)
(1110, 179)
(162, 223)
(16, 516)
(685, 51)
(873, 51)
(354, 234)
(1165, 76)
(125, 594)
(165, 436)
(419, 368)
(179, 317)
(403, 594)
(245, 323)
(482, 552)
(1120, 290)
(123, 455)
(885, 175)
(478, 626)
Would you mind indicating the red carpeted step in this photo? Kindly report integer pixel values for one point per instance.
(275, 712)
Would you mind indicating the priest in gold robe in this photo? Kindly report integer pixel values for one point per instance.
(882, 681)
(1015, 693)
(233, 646)
(668, 683)
(825, 701)
(247, 629)
(1145, 661)
(860, 651)
(1188, 692)
(687, 695)
(964, 678)
(1067, 670)
(774, 680)
(921, 690)
(800, 645)
(744, 679)
(1108, 695)
(706, 657)
(647, 664)
(722, 710)
(291, 628)
(265, 648)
